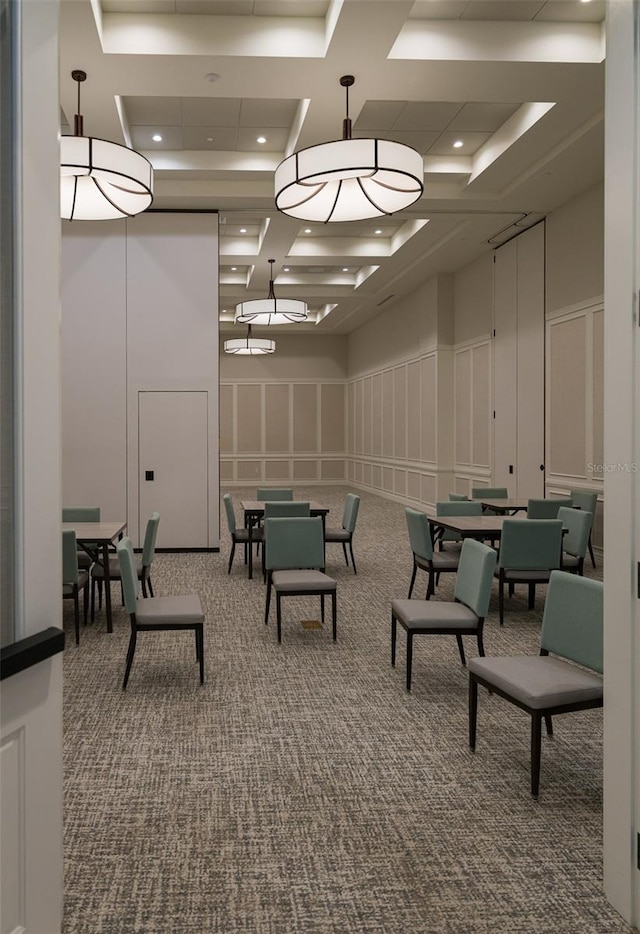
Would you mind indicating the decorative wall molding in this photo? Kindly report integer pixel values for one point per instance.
(590, 304)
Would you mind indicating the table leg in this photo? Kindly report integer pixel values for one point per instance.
(250, 530)
(107, 585)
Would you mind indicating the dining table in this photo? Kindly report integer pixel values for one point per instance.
(95, 538)
(508, 506)
(254, 513)
(485, 526)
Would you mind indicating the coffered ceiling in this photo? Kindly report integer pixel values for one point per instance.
(520, 83)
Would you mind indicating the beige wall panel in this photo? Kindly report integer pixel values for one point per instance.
(358, 472)
(567, 403)
(428, 489)
(400, 412)
(575, 251)
(305, 470)
(366, 474)
(428, 408)
(298, 356)
(226, 470)
(376, 476)
(387, 413)
(463, 407)
(351, 393)
(332, 417)
(413, 484)
(351, 470)
(358, 420)
(249, 417)
(473, 300)
(249, 470)
(277, 470)
(462, 485)
(413, 411)
(387, 479)
(400, 482)
(305, 417)
(226, 419)
(598, 387)
(276, 419)
(376, 414)
(366, 415)
(481, 405)
(332, 470)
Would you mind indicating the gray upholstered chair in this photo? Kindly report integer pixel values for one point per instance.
(530, 549)
(295, 563)
(458, 497)
(279, 509)
(81, 514)
(575, 541)
(587, 500)
(462, 507)
(157, 614)
(489, 492)
(547, 685)
(546, 508)
(267, 494)
(462, 616)
(345, 534)
(238, 536)
(74, 579)
(424, 556)
(143, 564)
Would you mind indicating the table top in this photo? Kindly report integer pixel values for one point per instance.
(95, 531)
(504, 503)
(257, 506)
(485, 525)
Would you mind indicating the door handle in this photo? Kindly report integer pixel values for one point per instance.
(149, 475)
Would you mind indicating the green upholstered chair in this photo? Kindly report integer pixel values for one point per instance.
(489, 492)
(81, 514)
(575, 541)
(238, 536)
(424, 557)
(587, 500)
(267, 494)
(142, 562)
(279, 509)
(295, 563)
(458, 497)
(461, 507)
(345, 534)
(546, 508)
(74, 579)
(462, 616)
(530, 549)
(156, 614)
(548, 684)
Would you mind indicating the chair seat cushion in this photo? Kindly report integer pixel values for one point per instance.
(539, 681)
(337, 535)
(179, 610)
(442, 561)
(423, 615)
(570, 561)
(67, 589)
(242, 535)
(535, 577)
(299, 580)
(114, 568)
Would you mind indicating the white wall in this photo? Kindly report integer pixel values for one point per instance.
(575, 251)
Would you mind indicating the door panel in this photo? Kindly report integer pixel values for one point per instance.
(173, 465)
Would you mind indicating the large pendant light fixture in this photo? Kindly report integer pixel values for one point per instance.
(349, 179)
(271, 310)
(249, 346)
(100, 180)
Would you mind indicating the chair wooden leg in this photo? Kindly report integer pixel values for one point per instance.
(200, 650)
(461, 648)
(532, 596)
(512, 589)
(279, 616)
(144, 587)
(150, 586)
(85, 603)
(130, 653)
(93, 600)
(536, 736)
(267, 604)
(473, 711)
(501, 601)
(430, 586)
(353, 560)
(549, 724)
(591, 554)
(409, 658)
(334, 614)
(394, 628)
(76, 612)
(344, 550)
(480, 644)
(322, 607)
(233, 551)
(413, 580)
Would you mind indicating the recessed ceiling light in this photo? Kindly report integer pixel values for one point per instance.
(243, 230)
(458, 143)
(156, 138)
(261, 139)
(307, 229)
(212, 76)
(378, 231)
(345, 269)
(286, 269)
(234, 269)
(209, 139)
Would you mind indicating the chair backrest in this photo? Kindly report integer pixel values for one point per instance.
(572, 620)
(531, 544)
(350, 514)
(128, 573)
(230, 513)
(150, 536)
(281, 509)
(475, 576)
(81, 514)
(489, 492)
(294, 543)
(546, 508)
(458, 497)
(264, 494)
(419, 534)
(69, 558)
(458, 508)
(578, 524)
(584, 499)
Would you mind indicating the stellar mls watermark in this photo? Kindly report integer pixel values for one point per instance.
(614, 467)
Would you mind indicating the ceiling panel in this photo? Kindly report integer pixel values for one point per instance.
(276, 139)
(144, 111)
(482, 117)
(141, 137)
(216, 138)
(438, 9)
(426, 115)
(267, 113)
(444, 145)
(568, 11)
(210, 111)
(502, 10)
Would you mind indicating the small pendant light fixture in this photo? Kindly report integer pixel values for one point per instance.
(249, 346)
(271, 310)
(100, 180)
(349, 179)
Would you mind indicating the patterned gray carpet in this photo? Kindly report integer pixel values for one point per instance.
(302, 789)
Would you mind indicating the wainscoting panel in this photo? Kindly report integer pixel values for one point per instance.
(332, 402)
(429, 400)
(567, 389)
(276, 418)
(249, 411)
(305, 417)
(463, 406)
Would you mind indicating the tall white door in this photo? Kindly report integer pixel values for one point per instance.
(173, 466)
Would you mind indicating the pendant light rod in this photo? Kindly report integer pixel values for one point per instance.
(78, 76)
(347, 81)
